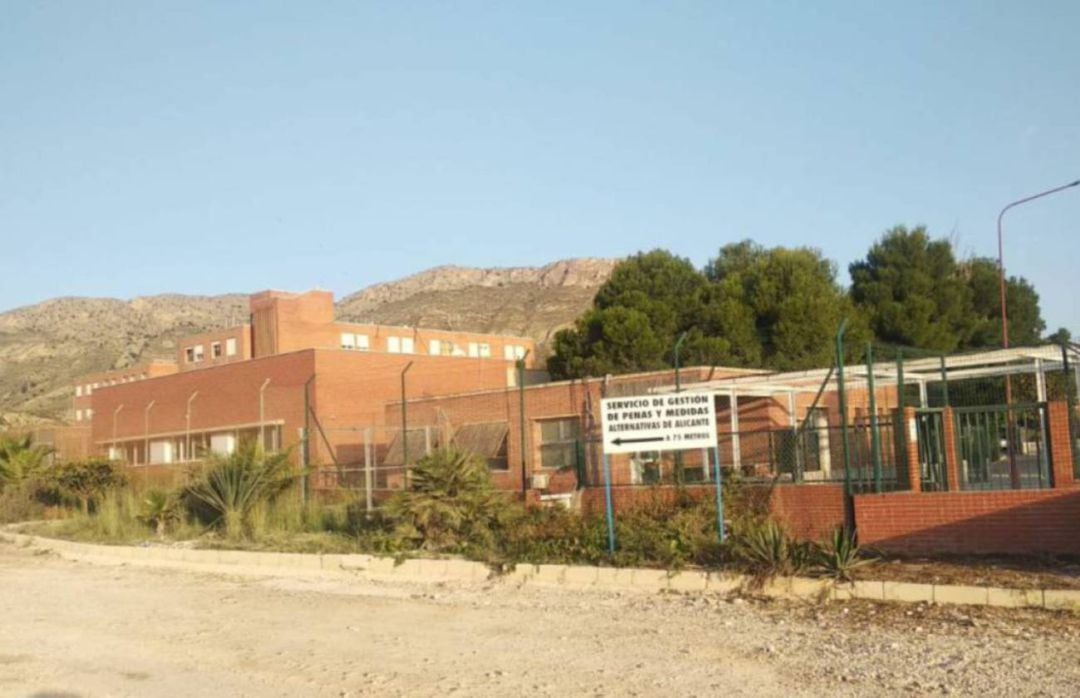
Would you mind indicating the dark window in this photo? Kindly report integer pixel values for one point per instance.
(559, 440)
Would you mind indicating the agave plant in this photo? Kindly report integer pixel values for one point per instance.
(450, 501)
(768, 549)
(20, 458)
(233, 486)
(838, 555)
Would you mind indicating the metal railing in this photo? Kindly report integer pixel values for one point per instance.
(1002, 447)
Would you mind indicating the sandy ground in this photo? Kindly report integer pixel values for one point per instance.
(75, 629)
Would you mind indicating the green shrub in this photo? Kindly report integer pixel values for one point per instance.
(668, 534)
(450, 505)
(229, 489)
(20, 503)
(554, 535)
(116, 517)
(160, 510)
(838, 555)
(85, 481)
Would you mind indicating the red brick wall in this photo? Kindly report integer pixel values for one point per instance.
(228, 395)
(808, 511)
(1016, 522)
(240, 333)
(1061, 453)
(628, 498)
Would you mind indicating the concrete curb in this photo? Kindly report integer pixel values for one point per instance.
(580, 577)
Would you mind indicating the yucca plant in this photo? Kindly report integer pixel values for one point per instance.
(450, 502)
(838, 555)
(768, 549)
(159, 510)
(232, 486)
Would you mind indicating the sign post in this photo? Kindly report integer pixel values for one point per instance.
(670, 422)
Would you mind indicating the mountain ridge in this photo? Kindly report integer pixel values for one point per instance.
(44, 346)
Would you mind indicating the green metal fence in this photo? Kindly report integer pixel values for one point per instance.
(930, 430)
(1002, 447)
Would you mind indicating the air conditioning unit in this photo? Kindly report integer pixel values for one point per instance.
(540, 481)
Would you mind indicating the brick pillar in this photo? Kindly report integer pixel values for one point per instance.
(911, 437)
(952, 462)
(1061, 453)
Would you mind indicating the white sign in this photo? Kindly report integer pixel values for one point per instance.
(668, 422)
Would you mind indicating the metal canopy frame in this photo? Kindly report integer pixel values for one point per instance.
(997, 362)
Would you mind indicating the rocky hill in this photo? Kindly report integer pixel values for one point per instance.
(530, 301)
(44, 346)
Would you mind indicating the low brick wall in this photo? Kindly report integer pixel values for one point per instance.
(809, 511)
(1006, 522)
(628, 498)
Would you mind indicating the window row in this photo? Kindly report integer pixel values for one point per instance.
(81, 414)
(89, 388)
(436, 347)
(195, 354)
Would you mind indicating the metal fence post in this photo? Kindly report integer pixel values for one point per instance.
(1070, 401)
(843, 405)
(719, 494)
(608, 506)
(368, 447)
(944, 382)
(875, 437)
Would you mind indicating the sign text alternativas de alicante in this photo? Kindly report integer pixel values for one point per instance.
(658, 422)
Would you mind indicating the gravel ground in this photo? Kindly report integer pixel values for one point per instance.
(75, 629)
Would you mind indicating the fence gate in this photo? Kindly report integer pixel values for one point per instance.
(930, 426)
(1003, 447)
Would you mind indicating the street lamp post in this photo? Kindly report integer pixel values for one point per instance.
(146, 432)
(1001, 257)
(521, 421)
(1014, 473)
(262, 414)
(114, 415)
(187, 427)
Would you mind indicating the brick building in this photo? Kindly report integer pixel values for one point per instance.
(271, 378)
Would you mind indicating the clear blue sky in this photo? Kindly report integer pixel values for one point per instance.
(151, 147)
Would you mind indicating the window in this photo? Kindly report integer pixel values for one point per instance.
(485, 350)
(559, 443)
(215, 350)
(348, 340)
(519, 352)
(78, 415)
(230, 346)
(474, 349)
(89, 389)
(362, 343)
(189, 356)
(78, 391)
(89, 413)
(407, 346)
(434, 347)
(508, 352)
(393, 345)
(198, 353)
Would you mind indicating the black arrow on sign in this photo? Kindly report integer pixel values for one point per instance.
(620, 441)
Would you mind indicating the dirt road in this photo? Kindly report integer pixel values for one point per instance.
(75, 629)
